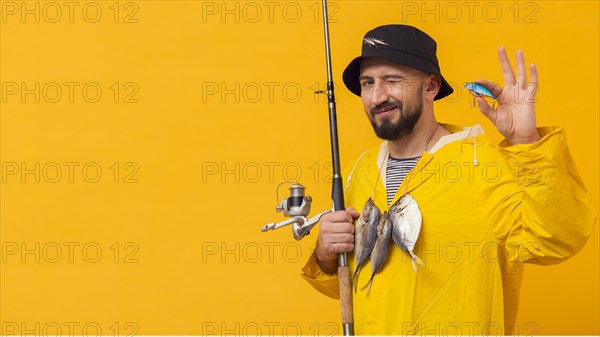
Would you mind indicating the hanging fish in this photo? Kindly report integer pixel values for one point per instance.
(406, 220)
(365, 235)
(380, 250)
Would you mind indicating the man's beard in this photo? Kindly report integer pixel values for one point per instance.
(408, 118)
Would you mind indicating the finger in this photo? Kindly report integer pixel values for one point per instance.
(485, 108)
(507, 70)
(353, 212)
(345, 228)
(341, 238)
(521, 71)
(332, 228)
(336, 248)
(493, 87)
(337, 216)
(533, 76)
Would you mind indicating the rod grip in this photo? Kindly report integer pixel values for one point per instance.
(346, 297)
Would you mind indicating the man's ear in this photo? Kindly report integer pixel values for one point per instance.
(433, 84)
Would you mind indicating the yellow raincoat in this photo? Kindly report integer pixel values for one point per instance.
(521, 204)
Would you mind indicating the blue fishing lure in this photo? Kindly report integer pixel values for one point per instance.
(479, 90)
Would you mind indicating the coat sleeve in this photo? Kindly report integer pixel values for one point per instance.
(551, 216)
(327, 284)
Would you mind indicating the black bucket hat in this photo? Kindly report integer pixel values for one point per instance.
(402, 44)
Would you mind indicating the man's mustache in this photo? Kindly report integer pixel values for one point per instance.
(385, 106)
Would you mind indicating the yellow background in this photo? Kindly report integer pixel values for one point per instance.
(215, 108)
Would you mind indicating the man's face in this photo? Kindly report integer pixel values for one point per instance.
(392, 95)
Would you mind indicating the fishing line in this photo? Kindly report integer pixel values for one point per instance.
(278, 186)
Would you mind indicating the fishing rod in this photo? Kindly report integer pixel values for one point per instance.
(337, 193)
(297, 206)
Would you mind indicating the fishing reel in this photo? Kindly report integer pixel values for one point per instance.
(297, 206)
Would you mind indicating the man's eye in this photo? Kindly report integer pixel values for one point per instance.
(392, 81)
(366, 83)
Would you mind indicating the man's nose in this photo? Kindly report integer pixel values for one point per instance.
(379, 93)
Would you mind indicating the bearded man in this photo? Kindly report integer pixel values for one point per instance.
(483, 209)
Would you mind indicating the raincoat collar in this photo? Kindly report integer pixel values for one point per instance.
(414, 179)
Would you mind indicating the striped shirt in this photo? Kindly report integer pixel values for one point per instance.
(396, 171)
